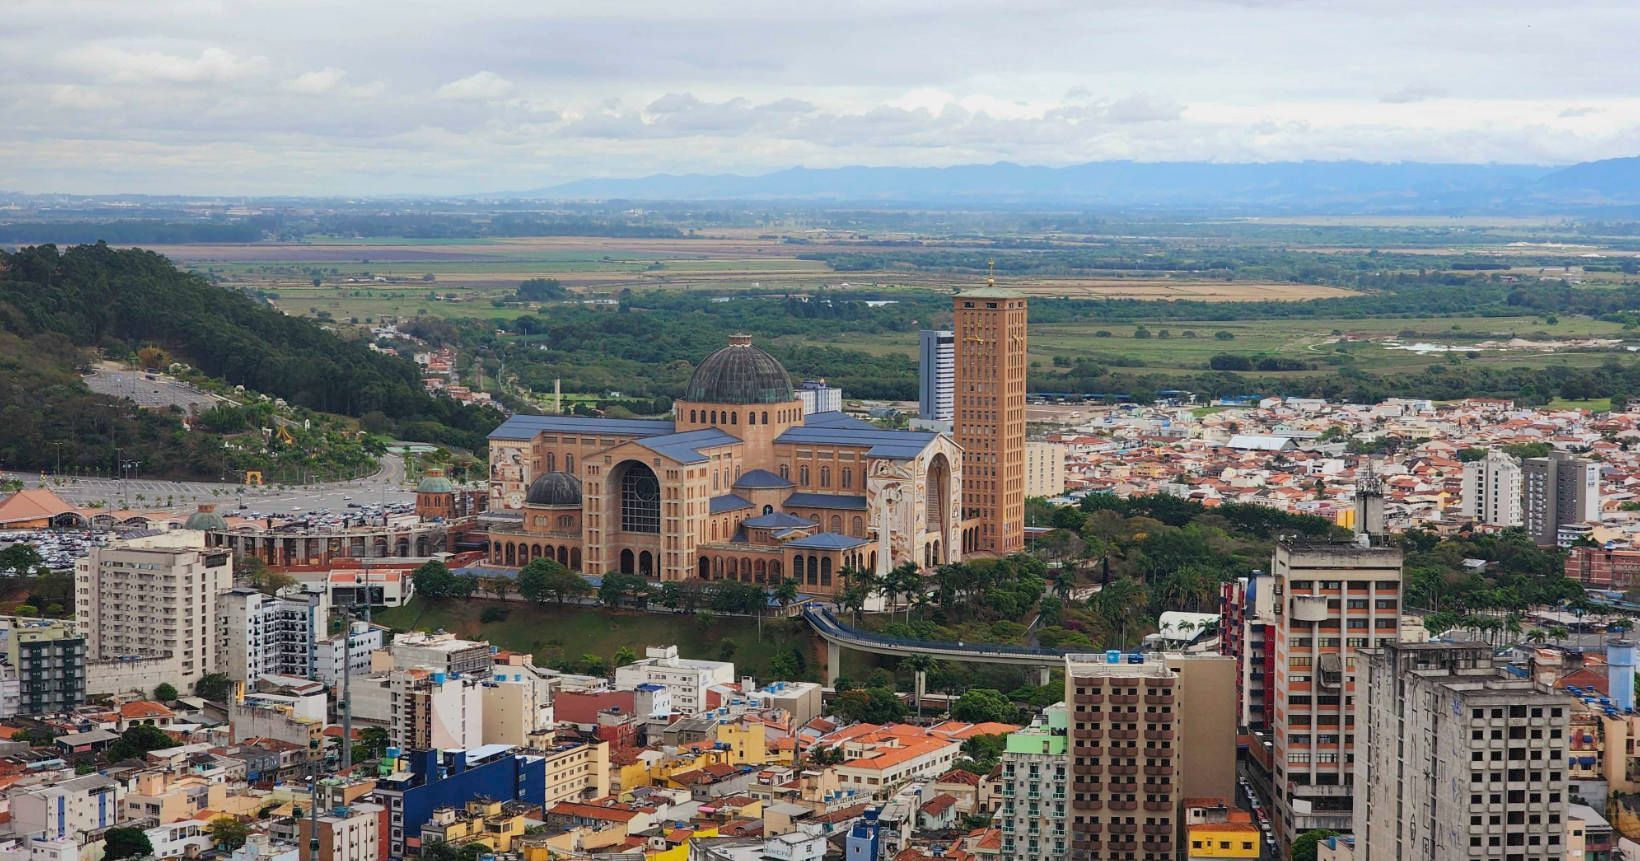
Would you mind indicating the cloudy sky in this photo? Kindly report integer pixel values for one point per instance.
(453, 96)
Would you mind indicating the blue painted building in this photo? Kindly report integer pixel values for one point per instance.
(864, 842)
(425, 780)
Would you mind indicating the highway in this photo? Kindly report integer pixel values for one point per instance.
(839, 636)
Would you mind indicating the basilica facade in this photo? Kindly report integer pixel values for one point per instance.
(740, 484)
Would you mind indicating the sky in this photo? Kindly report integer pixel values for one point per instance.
(387, 97)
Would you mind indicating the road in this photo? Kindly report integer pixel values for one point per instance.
(148, 494)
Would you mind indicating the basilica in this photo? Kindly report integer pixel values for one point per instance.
(739, 484)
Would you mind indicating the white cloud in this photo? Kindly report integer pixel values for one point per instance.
(479, 86)
(316, 82)
(123, 65)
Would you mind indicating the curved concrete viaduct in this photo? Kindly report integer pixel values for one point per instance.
(839, 636)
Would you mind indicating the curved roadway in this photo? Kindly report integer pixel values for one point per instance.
(837, 634)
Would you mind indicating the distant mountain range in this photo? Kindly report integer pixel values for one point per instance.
(1311, 186)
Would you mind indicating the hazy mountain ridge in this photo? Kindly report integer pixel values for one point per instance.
(1409, 187)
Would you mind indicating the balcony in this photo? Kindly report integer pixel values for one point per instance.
(1124, 734)
(1087, 803)
(1124, 699)
(1159, 770)
(1122, 827)
(1085, 750)
(1158, 828)
(1159, 699)
(1158, 806)
(1124, 805)
(1089, 699)
(1158, 846)
(1124, 769)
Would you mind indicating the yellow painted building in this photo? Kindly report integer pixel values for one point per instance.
(491, 822)
(679, 850)
(657, 773)
(747, 743)
(1215, 840)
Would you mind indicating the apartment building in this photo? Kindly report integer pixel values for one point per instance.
(1558, 491)
(153, 597)
(1124, 723)
(1492, 490)
(333, 655)
(435, 711)
(78, 809)
(46, 660)
(442, 653)
(1035, 789)
(1045, 468)
(1455, 760)
(259, 634)
(1245, 616)
(1330, 600)
(936, 375)
(688, 680)
(354, 832)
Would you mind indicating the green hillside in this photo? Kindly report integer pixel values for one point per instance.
(55, 305)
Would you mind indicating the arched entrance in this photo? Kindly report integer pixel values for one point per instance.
(646, 564)
(639, 502)
(628, 561)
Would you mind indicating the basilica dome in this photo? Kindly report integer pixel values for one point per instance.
(554, 488)
(740, 374)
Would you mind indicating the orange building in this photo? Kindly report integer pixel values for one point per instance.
(739, 485)
(989, 325)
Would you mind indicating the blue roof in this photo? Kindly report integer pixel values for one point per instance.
(826, 500)
(760, 478)
(685, 447)
(777, 520)
(827, 541)
(526, 427)
(728, 502)
(835, 419)
(897, 445)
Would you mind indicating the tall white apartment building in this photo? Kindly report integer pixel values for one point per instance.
(686, 679)
(1034, 783)
(435, 711)
(152, 597)
(937, 375)
(333, 654)
(1492, 490)
(259, 634)
(817, 397)
(1456, 761)
(1044, 469)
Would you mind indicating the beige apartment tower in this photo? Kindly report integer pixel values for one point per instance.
(1330, 601)
(1455, 761)
(153, 597)
(1124, 788)
(989, 325)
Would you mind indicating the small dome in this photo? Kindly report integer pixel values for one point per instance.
(435, 482)
(205, 519)
(554, 488)
(740, 374)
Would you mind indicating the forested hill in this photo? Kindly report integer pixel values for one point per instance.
(118, 300)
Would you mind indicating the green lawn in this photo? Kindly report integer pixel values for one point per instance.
(549, 632)
(1598, 405)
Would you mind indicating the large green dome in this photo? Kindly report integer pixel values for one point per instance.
(205, 520)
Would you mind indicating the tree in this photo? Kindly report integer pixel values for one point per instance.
(371, 743)
(165, 692)
(625, 655)
(126, 843)
(215, 687)
(1304, 847)
(464, 586)
(434, 581)
(869, 705)
(545, 580)
(982, 705)
(228, 832)
(20, 558)
(138, 740)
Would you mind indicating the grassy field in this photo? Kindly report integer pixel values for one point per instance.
(1310, 339)
(549, 632)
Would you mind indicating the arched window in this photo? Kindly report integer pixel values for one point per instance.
(825, 571)
(837, 523)
(803, 475)
(569, 463)
(848, 477)
(565, 521)
(785, 472)
(825, 476)
(640, 498)
(751, 417)
(768, 509)
(765, 416)
(734, 418)
(552, 460)
(693, 419)
(858, 527)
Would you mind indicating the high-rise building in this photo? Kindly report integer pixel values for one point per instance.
(153, 597)
(1557, 491)
(1245, 621)
(46, 658)
(1492, 490)
(1329, 601)
(424, 780)
(354, 832)
(1034, 788)
(1454, 760)
(1044, 469)
(433, 710)
(936, 374)
(817, 397)
(260, 634)
(1124, 758)
(989, 416)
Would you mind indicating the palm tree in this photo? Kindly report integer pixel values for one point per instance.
(786, 594)
(1536, 635)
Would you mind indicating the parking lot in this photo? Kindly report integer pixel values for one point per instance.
(149, 391)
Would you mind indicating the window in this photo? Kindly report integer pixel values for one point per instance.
(640, 499)
(848, 477)
(825, 476)
(803, 475)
